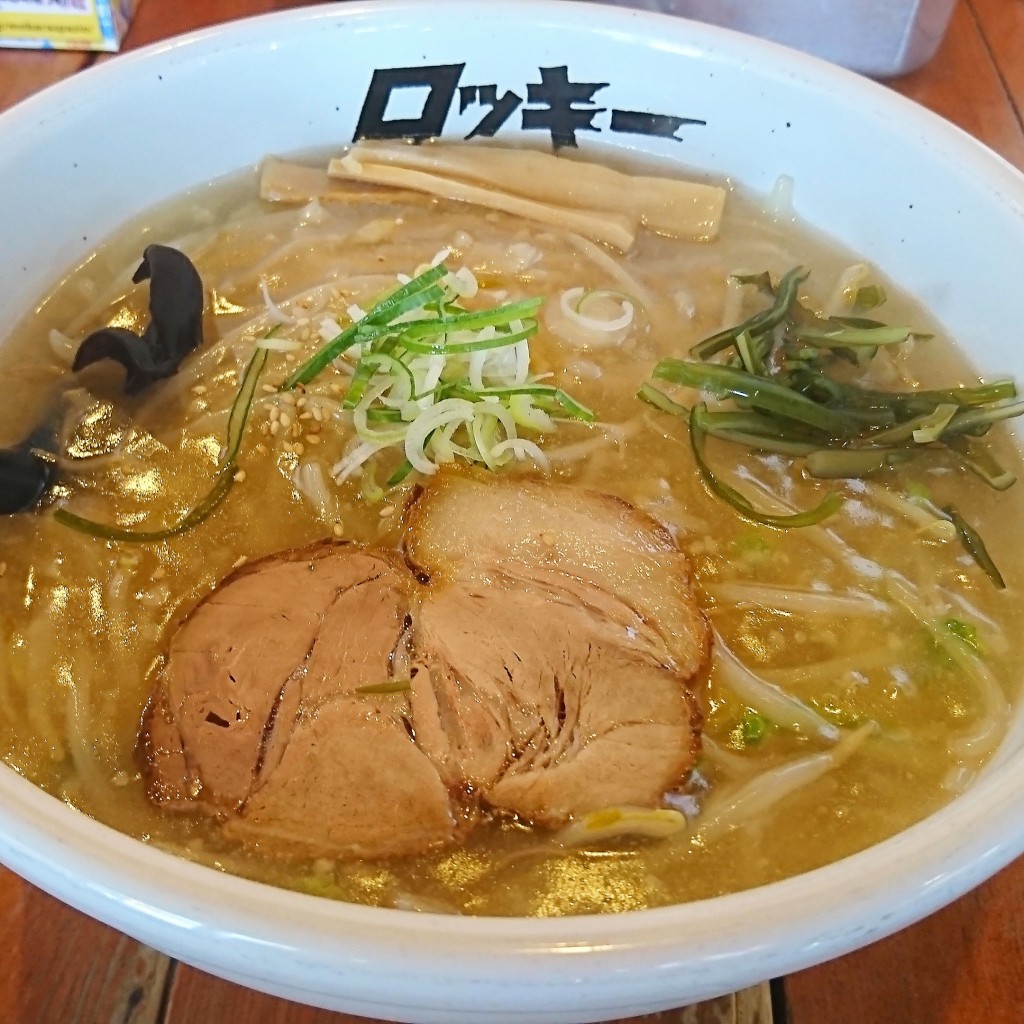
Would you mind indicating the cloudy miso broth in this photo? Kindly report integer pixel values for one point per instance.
(877, 628)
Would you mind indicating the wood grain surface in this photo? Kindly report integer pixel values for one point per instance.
(963, 965)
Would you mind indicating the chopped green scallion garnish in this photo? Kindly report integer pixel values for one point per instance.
(438, 382)
(223, 482)
(389, 686)
(965, 631)
(774, 367)
(975, 546)
(754, 727)
(831, 503)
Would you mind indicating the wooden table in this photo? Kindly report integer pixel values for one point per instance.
(964, 965)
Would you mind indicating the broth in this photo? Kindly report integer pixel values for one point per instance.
(70, 712)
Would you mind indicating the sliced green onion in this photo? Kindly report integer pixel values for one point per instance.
(750, 357)
(977, 421)
(923, 429)
(384, 415)
(980, 460)
(105, 531)
(863, 322)
(499, 316)
(356, 334)
(413, 295)
(441, 346)
(400, 474)
(758, 424)
(762, 443)
(831, 504)
(982, 394)
(652, 396)
(390, 686)
(575, 410)
(789, 404)
(869, 296)
(533, 415)
(242, 406)
(853, 337)
(392, 384)
(762, 282)
(763, 394)
(964, 631)
(758, 432)
(222, 483)
(393, 365)
(901, 404)
(932, 426)
(975, 546)
(764, 321)
(360, 382)
(369, 490)
(370, 364)
(754, 727)
(842, 463)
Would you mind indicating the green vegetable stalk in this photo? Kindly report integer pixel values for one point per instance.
(783, 371)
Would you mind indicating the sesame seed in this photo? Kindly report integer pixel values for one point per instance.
(269, 389)
(289, 398)
(339, 530)
(296, 430)
(287, 446)
(239, 476)
(313, 438)
(260, 449)
(158, 573)
(305, 415)
(300, 402)
(318, 414)
(286, 420)
(199, 389)
(264, 429)
(387, 510)
(3, 568)
(275, 413)
(298, 448)
(337, 389)
(239, 561)
(274, 428)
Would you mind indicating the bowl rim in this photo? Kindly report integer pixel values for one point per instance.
(251, 930)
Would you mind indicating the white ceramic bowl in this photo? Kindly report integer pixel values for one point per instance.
(935, 210)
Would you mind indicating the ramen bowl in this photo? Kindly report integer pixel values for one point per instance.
(940, 214)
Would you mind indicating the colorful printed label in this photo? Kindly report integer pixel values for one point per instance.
(65, 24)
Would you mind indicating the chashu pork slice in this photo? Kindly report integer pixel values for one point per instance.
(612, 555)
(562, 641)
(258, 714)
(545, 708)
(545, 641)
